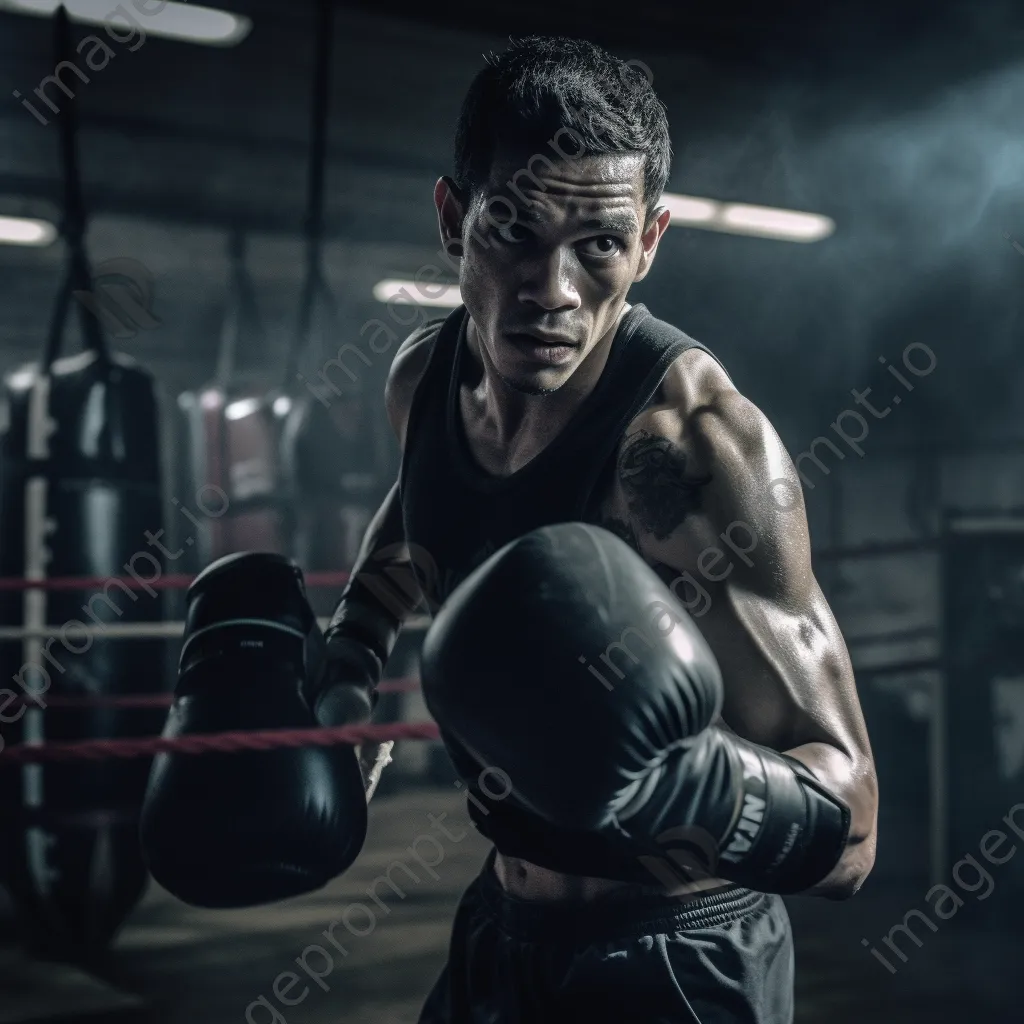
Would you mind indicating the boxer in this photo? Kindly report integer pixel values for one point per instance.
(632, 879)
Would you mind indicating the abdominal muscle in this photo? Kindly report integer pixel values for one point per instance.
(526, 881)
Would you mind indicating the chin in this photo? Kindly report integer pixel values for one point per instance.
(534, 383)
(531, 378)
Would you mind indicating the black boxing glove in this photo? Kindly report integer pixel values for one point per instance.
(240, 829)
(749, 814)
(565, 662)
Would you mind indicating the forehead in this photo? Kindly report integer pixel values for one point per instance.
(549, 186)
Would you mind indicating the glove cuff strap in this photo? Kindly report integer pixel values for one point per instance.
(790, 832)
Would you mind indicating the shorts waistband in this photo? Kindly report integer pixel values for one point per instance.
(627, 915)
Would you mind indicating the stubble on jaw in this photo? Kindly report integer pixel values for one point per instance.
(530, 390)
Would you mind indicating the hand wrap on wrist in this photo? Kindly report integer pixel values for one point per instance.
(358, 642)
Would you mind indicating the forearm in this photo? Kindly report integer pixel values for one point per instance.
(379, 597)
(793, 691)
(851, 778)
(382, 591)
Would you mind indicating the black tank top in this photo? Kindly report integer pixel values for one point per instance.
(456, 515)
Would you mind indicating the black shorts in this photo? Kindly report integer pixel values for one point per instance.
(722, 958)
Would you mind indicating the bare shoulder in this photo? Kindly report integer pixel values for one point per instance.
(694, 381)
(407, 369)
(699, 412)
(699, 456)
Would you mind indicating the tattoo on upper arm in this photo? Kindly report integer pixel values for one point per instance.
(652, 471)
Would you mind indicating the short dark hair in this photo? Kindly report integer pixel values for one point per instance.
(543, 83)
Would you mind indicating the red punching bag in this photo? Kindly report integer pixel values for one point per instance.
(232, 438)
(80, 495)
(332, 450)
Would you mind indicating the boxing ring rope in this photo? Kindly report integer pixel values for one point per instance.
(401, 684)
(227, 742)
(169, 630)
(172, 581)
(181, 581)
(93, 750)
(215, 743)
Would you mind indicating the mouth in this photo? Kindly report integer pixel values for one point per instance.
(548, 349)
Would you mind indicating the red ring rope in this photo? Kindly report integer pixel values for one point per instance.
(210, 743)
(172, 581)
(404, 684)
(330, 579)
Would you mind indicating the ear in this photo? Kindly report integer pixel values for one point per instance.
(451, 210)
(649, 240)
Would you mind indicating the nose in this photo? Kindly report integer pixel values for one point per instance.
(548, 282)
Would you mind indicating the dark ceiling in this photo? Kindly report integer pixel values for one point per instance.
(899, 119)
(174, 130)
(796, 37)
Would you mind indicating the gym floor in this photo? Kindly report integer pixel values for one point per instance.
(176, 965)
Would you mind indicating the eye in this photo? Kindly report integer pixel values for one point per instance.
(603, 246)
(511, 234)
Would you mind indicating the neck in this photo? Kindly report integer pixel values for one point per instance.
(512, 412)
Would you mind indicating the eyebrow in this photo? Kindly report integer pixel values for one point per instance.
(623, 222)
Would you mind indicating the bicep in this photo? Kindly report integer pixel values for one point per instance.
(787, 673)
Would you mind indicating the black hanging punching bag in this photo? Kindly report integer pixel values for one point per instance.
(79, 496)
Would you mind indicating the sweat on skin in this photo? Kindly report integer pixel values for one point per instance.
(740, 538)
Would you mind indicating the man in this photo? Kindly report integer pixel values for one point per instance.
(549, 398)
